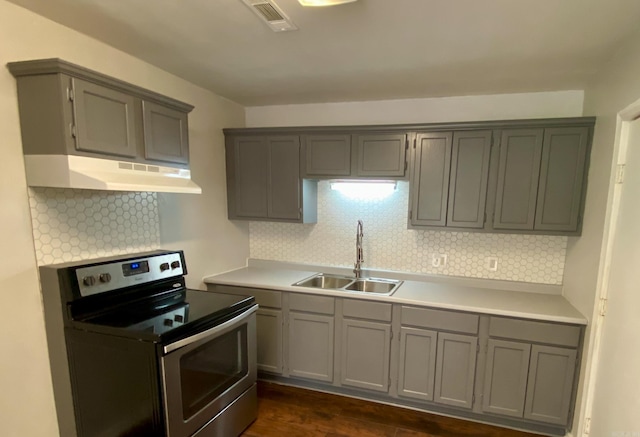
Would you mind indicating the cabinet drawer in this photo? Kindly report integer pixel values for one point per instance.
(311, 303)
(363, 309)
(264, 298)
(440, 320)
(538, 332)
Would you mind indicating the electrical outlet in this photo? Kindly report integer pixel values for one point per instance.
(439, 260)
(492, 263)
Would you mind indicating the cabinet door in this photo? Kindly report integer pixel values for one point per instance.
(417, 363)
(505, 378)
(380, 154)
(365, 354)
(455, 369)
(518, 174)
(564, 154)
(251, 156)
(468, 181)
(550, 384)
(311, 346)
(269, 337)
(166, 134)
(430, 179)
(327, 155)
(284, 177)
(104, 119)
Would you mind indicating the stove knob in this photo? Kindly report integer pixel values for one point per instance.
(164, 266)
(168, 322)
(105, 277)
(175, 264)
(89, 281)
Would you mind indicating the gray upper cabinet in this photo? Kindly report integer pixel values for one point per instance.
(326, 155)
(104, 119)
(505, 381)
(66, 109)
(518, 173)
(562, 180)
(430, 179)
(541, 179)
(449, 179)
(380, 155)
(366, 155)
(455, 369)
(166, 133)
(263, 180)
(468, 180)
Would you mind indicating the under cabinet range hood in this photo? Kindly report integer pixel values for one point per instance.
(82, 172)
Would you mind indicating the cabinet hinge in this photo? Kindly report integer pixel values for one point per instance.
(406, 165)
(71, 94)
(72, 129)
(406, 143)
(603, 306)
(473, 399)
(410, 214)
(391, 338)
(414, 143)
(485, 218)
(620, 173)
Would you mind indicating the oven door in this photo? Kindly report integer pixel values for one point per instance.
(206, 372)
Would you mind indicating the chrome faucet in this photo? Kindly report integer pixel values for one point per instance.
(359, 258)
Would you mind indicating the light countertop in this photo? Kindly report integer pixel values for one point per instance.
(442, 294)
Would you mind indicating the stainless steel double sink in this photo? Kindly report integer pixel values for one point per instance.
(345, 283)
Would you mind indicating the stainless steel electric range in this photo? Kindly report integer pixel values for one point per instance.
(135, 353)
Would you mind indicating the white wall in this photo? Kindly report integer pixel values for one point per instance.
(444, 109)
(212, 243)
(614, 88)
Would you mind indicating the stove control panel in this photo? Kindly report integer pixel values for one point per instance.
(108, 276)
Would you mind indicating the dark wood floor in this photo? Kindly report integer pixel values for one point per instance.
(288, 411)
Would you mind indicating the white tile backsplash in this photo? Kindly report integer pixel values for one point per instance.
(389, 245)
(71, 225)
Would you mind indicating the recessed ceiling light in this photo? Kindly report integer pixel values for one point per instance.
(324, 2)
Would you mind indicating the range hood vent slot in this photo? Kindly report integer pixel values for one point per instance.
(271, 14)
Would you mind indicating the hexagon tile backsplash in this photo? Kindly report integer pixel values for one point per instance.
(389, 245)
(71, 225)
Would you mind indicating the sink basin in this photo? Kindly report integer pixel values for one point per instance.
(371, 285)
(325, 281)
(345, 283)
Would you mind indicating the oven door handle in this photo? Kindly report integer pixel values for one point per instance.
(210, 332)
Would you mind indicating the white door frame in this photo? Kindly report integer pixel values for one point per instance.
(624, 118)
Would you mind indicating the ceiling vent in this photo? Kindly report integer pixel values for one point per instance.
(271, 14)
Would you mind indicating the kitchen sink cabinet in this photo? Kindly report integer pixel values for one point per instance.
(263, 180)
(66, 109)
(449, 179)
(541, 179)
(311, 337)
(358, 155)
(417, 365)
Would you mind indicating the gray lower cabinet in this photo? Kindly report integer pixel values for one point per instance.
(311, 346)
(365, 354)
(417, 366)
(455, 369)
(505, 380)
(269, 326)
(550, 384)
(263, 180)
(449, 179)
(541, 179)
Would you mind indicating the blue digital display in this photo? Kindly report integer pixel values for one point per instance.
(135, 266)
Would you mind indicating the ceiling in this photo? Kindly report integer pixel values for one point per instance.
(368, 50)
